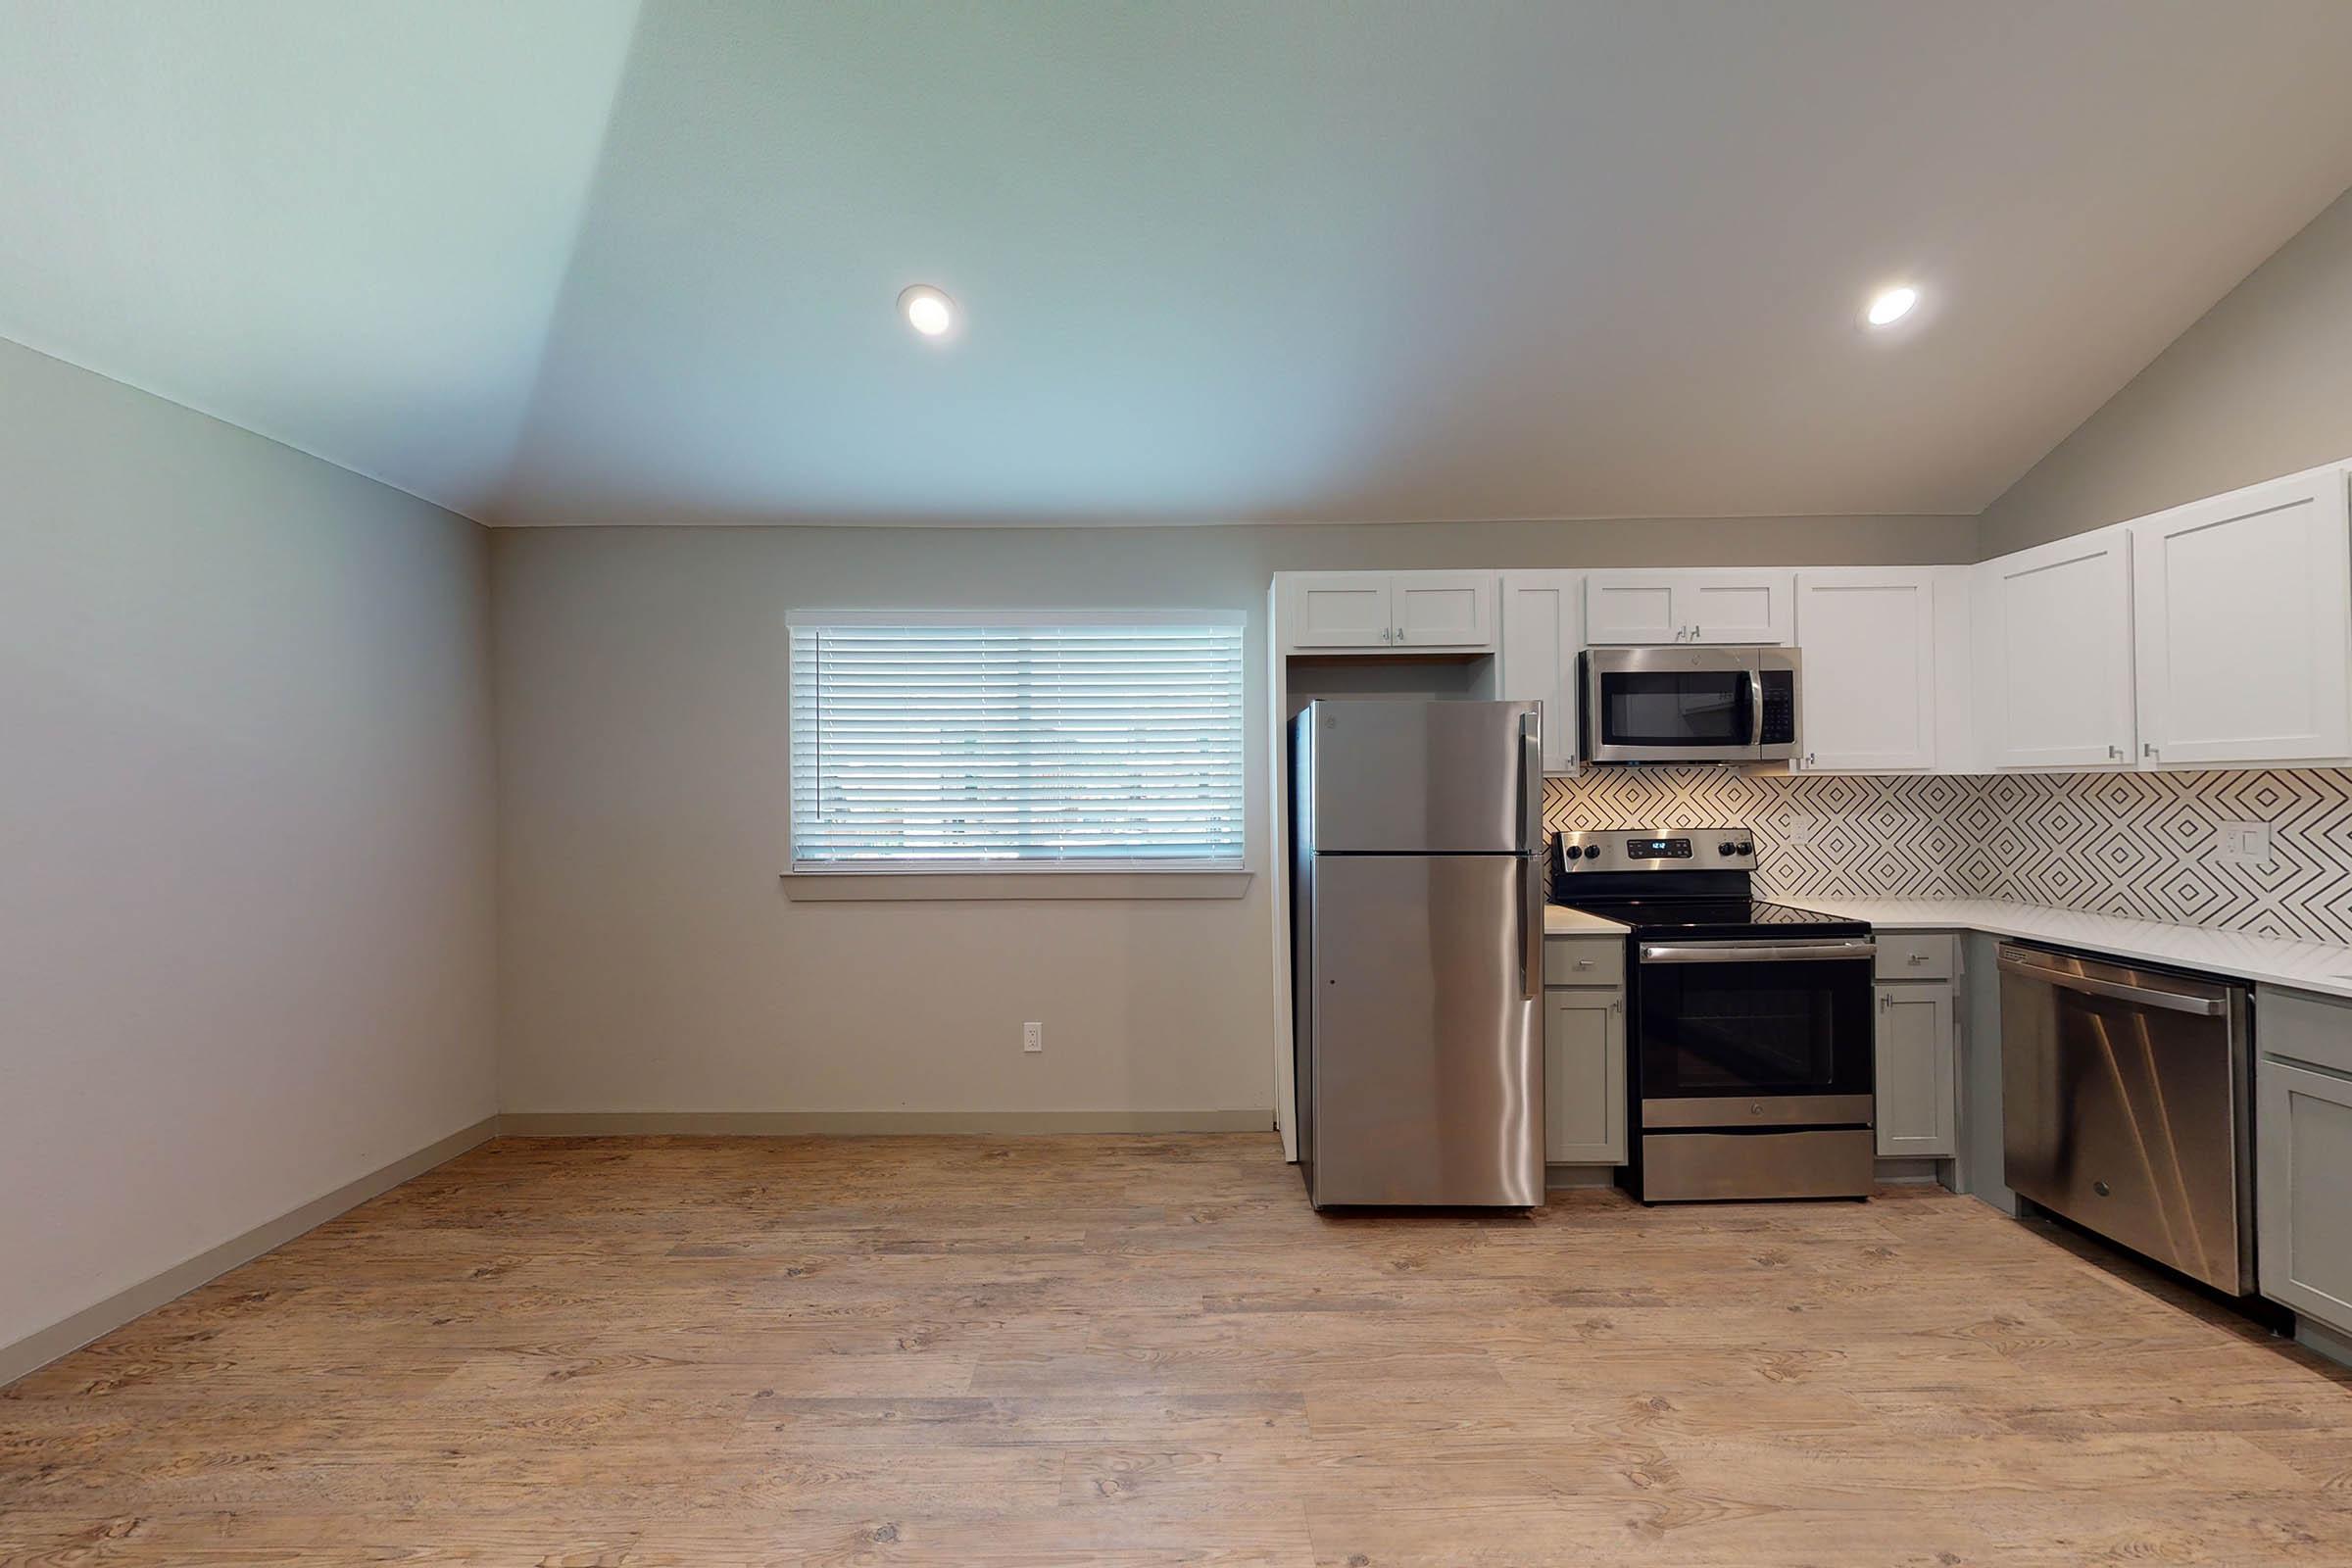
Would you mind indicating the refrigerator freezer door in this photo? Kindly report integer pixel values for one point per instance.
(1423, 777)
(1427, 1075)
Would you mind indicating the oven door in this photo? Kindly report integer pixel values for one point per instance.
(1673, 705)
(1755, 1032)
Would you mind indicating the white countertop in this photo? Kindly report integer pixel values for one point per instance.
(1561, 921)
(2274, 961)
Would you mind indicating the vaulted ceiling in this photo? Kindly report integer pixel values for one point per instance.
(590, 261)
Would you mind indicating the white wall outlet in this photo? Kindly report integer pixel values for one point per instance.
(2243, 843)
(1033, 1036)
(1801, 827)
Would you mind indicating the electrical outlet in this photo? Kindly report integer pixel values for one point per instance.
(1033, 1036)
(2243, 843)
(1801, 827)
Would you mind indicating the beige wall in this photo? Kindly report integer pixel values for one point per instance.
(2260, 386)
(246, 944)
(649, 958)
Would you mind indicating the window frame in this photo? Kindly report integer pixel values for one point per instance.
(1012, 877)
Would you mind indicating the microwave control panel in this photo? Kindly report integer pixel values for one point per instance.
(1780, 707)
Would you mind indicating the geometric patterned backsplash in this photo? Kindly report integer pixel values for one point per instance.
(2129, 844)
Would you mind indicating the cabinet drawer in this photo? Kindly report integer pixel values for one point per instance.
(1917, 956)
(2298, 1026)
(1584, 962)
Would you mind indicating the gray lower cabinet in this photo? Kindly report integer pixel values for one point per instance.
(1583, 1075)
(2303, 1154)
(1917, 1062)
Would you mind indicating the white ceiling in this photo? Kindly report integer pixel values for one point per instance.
(557, 261)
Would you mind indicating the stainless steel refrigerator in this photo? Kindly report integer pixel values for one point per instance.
(1417, 968)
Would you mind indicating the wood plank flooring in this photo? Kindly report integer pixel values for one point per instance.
(1132, 1351)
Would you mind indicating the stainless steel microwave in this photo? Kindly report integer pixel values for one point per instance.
(1689, 704)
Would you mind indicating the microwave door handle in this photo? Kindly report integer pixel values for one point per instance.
(1755, 707)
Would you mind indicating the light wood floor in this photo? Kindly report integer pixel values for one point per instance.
(1147, 1350)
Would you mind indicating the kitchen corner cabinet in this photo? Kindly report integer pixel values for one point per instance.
(2242, 622)
(1697, 606)
(1542, 630)
(1869, 670)
(2053, 641)
(2303, 1154)
(1584, 1052)
(1389, 612)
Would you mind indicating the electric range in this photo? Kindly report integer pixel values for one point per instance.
(1751, 1050)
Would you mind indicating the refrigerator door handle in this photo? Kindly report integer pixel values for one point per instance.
(1531, 782)
(1530, 928)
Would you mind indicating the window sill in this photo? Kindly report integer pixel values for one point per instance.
(947, 887)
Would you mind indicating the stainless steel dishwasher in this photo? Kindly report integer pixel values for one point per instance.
(2126, 1107)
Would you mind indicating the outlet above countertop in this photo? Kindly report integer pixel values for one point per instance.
(2317, 967)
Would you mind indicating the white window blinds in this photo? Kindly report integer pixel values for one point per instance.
(928, 741)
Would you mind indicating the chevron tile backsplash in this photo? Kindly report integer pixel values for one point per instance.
(2128, 844)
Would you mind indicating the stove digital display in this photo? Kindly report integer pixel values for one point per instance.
(1657, 849)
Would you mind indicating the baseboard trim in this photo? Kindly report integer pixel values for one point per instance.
(790, 1123)
(44, 1345)
(2321, 1341)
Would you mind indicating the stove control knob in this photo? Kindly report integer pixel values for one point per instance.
(1744, 847)
(1727, 846)
(1574, 852)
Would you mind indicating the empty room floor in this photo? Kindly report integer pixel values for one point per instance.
(1147, 1350)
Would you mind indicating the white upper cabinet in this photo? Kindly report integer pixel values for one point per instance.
(1444, 611)
(2054, 654)
(1731, 606)
(1382, 611)
(1868, 636)
(1741, 606)
(1543, 616)
(2242, 615)
(1336, 610)
(1633, 607)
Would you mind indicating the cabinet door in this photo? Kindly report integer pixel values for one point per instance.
(1446, 610)
(1543, 628)
(1869, 641)
(2242, 611)
(1736, 607)
(2054, 654)
(1915, 1063)
(2303, 1170)
(1584, 1077)
(1634, 607)
(1338, 610)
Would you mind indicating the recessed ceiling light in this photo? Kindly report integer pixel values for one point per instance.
(1892, 304)
(927, 310)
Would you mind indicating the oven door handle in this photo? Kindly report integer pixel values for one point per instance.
(1758, 952)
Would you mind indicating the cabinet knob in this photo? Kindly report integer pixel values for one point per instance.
(1917, 958)
(2148, 749)
(2115, 754)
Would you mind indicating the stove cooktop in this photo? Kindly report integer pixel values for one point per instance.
(1714, 917)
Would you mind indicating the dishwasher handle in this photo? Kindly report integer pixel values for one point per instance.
(2012, 962)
